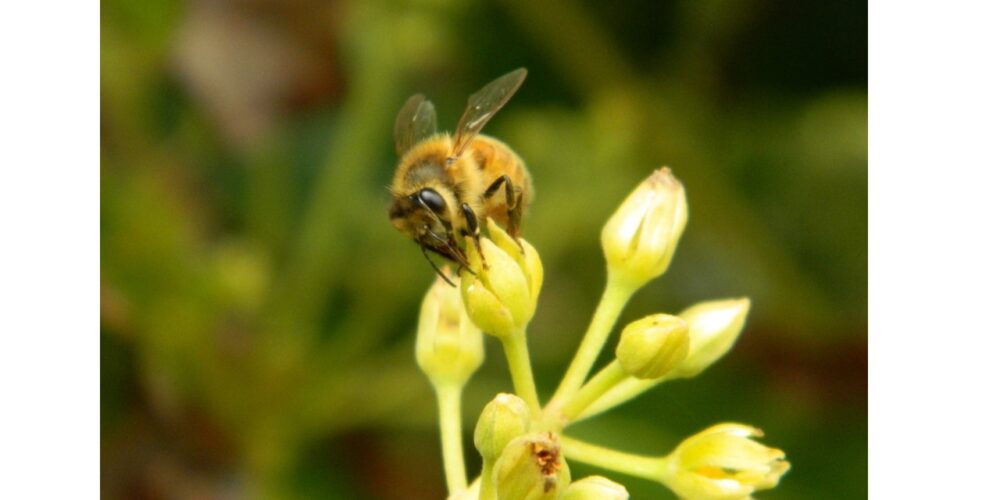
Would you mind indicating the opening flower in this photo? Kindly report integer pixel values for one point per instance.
(723, 462)
(640, 238)
(713, 328)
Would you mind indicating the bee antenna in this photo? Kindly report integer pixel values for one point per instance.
(436, 268)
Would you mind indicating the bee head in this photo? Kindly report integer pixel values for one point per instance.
(424, 215)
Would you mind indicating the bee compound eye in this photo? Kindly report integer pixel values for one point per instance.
(432, 199)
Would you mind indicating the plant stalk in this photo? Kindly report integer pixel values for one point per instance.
(449, 399)
(515, 347)
(615, 296)
(652, 468)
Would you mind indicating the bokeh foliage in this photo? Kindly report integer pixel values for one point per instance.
(258, 310)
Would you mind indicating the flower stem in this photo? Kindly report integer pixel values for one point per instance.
(620, 393)
(596, 387)
(450, 419)
(487, 490)
(615, 296)
(651, 468)
(515, 346)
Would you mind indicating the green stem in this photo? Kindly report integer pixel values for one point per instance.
(651, 468)
(612, 302)
(450, 419)
(620, 393)
(596, 387)
(515, 346)
(487, 490)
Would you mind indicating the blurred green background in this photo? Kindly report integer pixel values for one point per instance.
(258, 310)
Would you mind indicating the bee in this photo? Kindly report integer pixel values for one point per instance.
(446, 186)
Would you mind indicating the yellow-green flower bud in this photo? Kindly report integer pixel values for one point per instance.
(723, 462)
(525, 255)
(531, 467)
(503, 419)
(640, 238)
(501, 296)
(652, 346)
(449, 346)
(712, 328)
(595, 488)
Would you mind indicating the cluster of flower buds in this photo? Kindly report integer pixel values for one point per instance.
(522, 445)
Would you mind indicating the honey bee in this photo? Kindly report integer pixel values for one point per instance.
(445, 187)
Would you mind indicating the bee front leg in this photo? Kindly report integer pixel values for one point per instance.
(514, 207)
(472, 229)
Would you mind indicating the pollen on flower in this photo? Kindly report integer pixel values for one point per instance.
(532, 467)
(712, 472)
(548, 461)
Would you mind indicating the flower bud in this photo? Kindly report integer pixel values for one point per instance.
(525, 255)
(595, 488)
(503, 419)
(449, 346)
(501, 296)
(712, 328)
(652, 346)
(531, 467)
(723, 462)
(640, 238)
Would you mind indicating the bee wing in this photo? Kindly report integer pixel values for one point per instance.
(414, 123)
(483, 105)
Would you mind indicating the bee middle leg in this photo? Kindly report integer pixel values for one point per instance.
(514, 206)
(472, 229)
